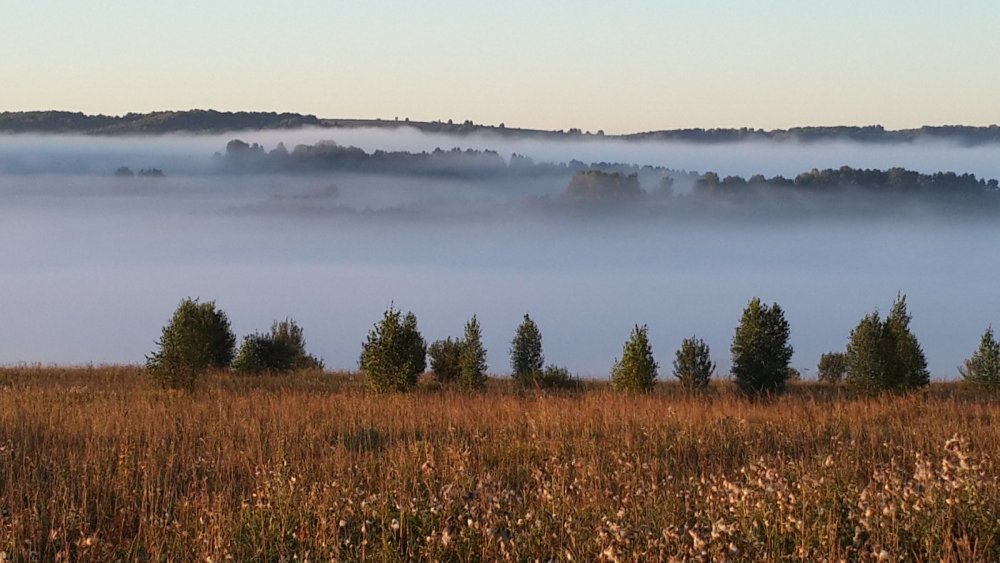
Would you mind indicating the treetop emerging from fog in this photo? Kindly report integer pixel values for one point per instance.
(603, 181)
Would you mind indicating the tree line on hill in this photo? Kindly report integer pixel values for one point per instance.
(882, 355)
(154, 123)
(211, 121)
(963, 134)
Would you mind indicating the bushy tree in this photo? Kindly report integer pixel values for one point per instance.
(258, 354)
(289, 335)
(445, 358)
(394, 353)
(760, 349)
(832, 367)
(983, 367)
(281, 350)
(866, 353)
(883, 355)
(526, 359)
(637, 369)
(472, 360)
(198, 337)
(693, 364)
(910, 369)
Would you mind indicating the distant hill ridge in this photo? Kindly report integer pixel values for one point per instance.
(191, 121)
(211, 121)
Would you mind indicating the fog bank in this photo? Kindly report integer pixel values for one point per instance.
(92, 266)
(182, 154)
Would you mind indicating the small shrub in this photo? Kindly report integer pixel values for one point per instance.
(693, 364)
(259, 354)
(549, 377)
(555, 377)
(198, 337)
(445, 357)
(281, 350)
(637, 369)
(394, 353)
(794, 375)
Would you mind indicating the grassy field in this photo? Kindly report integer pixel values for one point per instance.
(95, 464)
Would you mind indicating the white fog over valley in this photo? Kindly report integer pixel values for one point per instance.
(92, 265)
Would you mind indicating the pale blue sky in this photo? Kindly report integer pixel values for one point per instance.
(618, 66)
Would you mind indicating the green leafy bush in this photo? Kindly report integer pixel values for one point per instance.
(832, 367)
(445, 357)
(883, 355)
(281, 350)
(394, 353)
(555, 377)
(198, 337)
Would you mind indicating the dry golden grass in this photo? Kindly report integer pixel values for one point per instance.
(97, 465)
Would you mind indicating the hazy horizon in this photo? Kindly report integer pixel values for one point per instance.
(643, 65)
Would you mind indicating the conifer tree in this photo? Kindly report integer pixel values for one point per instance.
(637, 369)
(760, 349)
(983, 367)
(526, 358)
(909, 371)
(472, 362)
(693, 364)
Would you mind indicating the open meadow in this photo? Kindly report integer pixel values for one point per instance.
(97, 464)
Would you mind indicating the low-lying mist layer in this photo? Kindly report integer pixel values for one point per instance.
(93, 264)
(183, 154)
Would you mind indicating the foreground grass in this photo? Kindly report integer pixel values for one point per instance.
(95, 464)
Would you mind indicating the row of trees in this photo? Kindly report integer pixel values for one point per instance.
(882, 354)
(760, 353)
(892, 181)
(394, 355)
